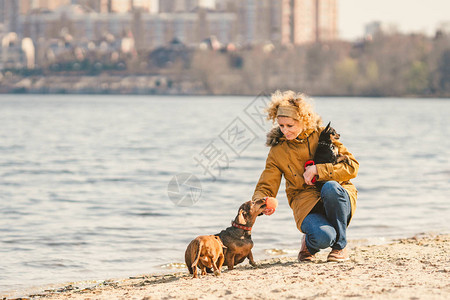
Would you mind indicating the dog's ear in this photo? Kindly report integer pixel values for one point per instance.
(260, 201)
(242, 216)
(325, 135)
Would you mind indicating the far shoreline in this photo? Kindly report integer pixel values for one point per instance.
(181, 95)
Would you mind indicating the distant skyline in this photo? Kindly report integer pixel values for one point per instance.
(409, 15)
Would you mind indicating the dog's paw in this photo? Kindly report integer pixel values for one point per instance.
(254, 265)
(217, 273)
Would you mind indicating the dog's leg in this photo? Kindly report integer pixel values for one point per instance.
(194, 270)
(216, 270)
(251, 260)
(204, 271)
(190, 270)
(230, 260)
(220, 261)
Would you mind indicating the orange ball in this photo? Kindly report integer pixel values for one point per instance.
(271, 205)
(271, 202)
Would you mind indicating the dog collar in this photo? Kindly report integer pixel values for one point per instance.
(234, 224)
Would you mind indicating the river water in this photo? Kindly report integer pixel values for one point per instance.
(85, 193)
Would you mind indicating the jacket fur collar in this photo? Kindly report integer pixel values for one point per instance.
(275, 136)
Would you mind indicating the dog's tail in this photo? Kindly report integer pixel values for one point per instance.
(198, 248)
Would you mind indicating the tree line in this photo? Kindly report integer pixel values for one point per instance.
(386, 65)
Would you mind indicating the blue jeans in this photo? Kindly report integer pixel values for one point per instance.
(326, 225)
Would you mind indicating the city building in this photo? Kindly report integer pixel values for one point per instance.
(149, 24)
(284, 22)
(377, 27)
(180, 6)
(153, 30)
(11, 52)
(310, 21)
(26, 6)
(2, 16)
(123, 6)
(256, 21)
(444, 27)
(9, 15)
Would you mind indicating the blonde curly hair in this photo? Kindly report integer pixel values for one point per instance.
(301, 102)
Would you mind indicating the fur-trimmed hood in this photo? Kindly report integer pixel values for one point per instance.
(275, 136)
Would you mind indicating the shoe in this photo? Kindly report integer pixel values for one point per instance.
(304, 255)
(338, 255)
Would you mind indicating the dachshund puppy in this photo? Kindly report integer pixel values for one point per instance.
(237, 238)
(206, 252)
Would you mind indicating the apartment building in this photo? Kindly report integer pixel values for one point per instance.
(159, 21)
(284, 22)
(153, 30)
(309, 21)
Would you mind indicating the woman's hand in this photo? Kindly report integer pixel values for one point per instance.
(309, 174)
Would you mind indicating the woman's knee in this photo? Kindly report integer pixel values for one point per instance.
(323, 237)
(330, 188)
(332, 191)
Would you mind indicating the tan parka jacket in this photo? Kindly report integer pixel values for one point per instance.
(288, 157)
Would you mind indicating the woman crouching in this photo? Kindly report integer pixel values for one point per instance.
(322, 216)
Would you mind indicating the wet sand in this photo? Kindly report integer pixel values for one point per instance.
(414, 268)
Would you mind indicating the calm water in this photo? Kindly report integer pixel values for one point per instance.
(84, 179)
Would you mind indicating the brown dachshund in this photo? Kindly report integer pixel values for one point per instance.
(206, 252)
(237, 239)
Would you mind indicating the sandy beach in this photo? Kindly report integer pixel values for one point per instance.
(413, 268)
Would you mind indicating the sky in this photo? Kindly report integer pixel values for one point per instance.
(408, 15)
